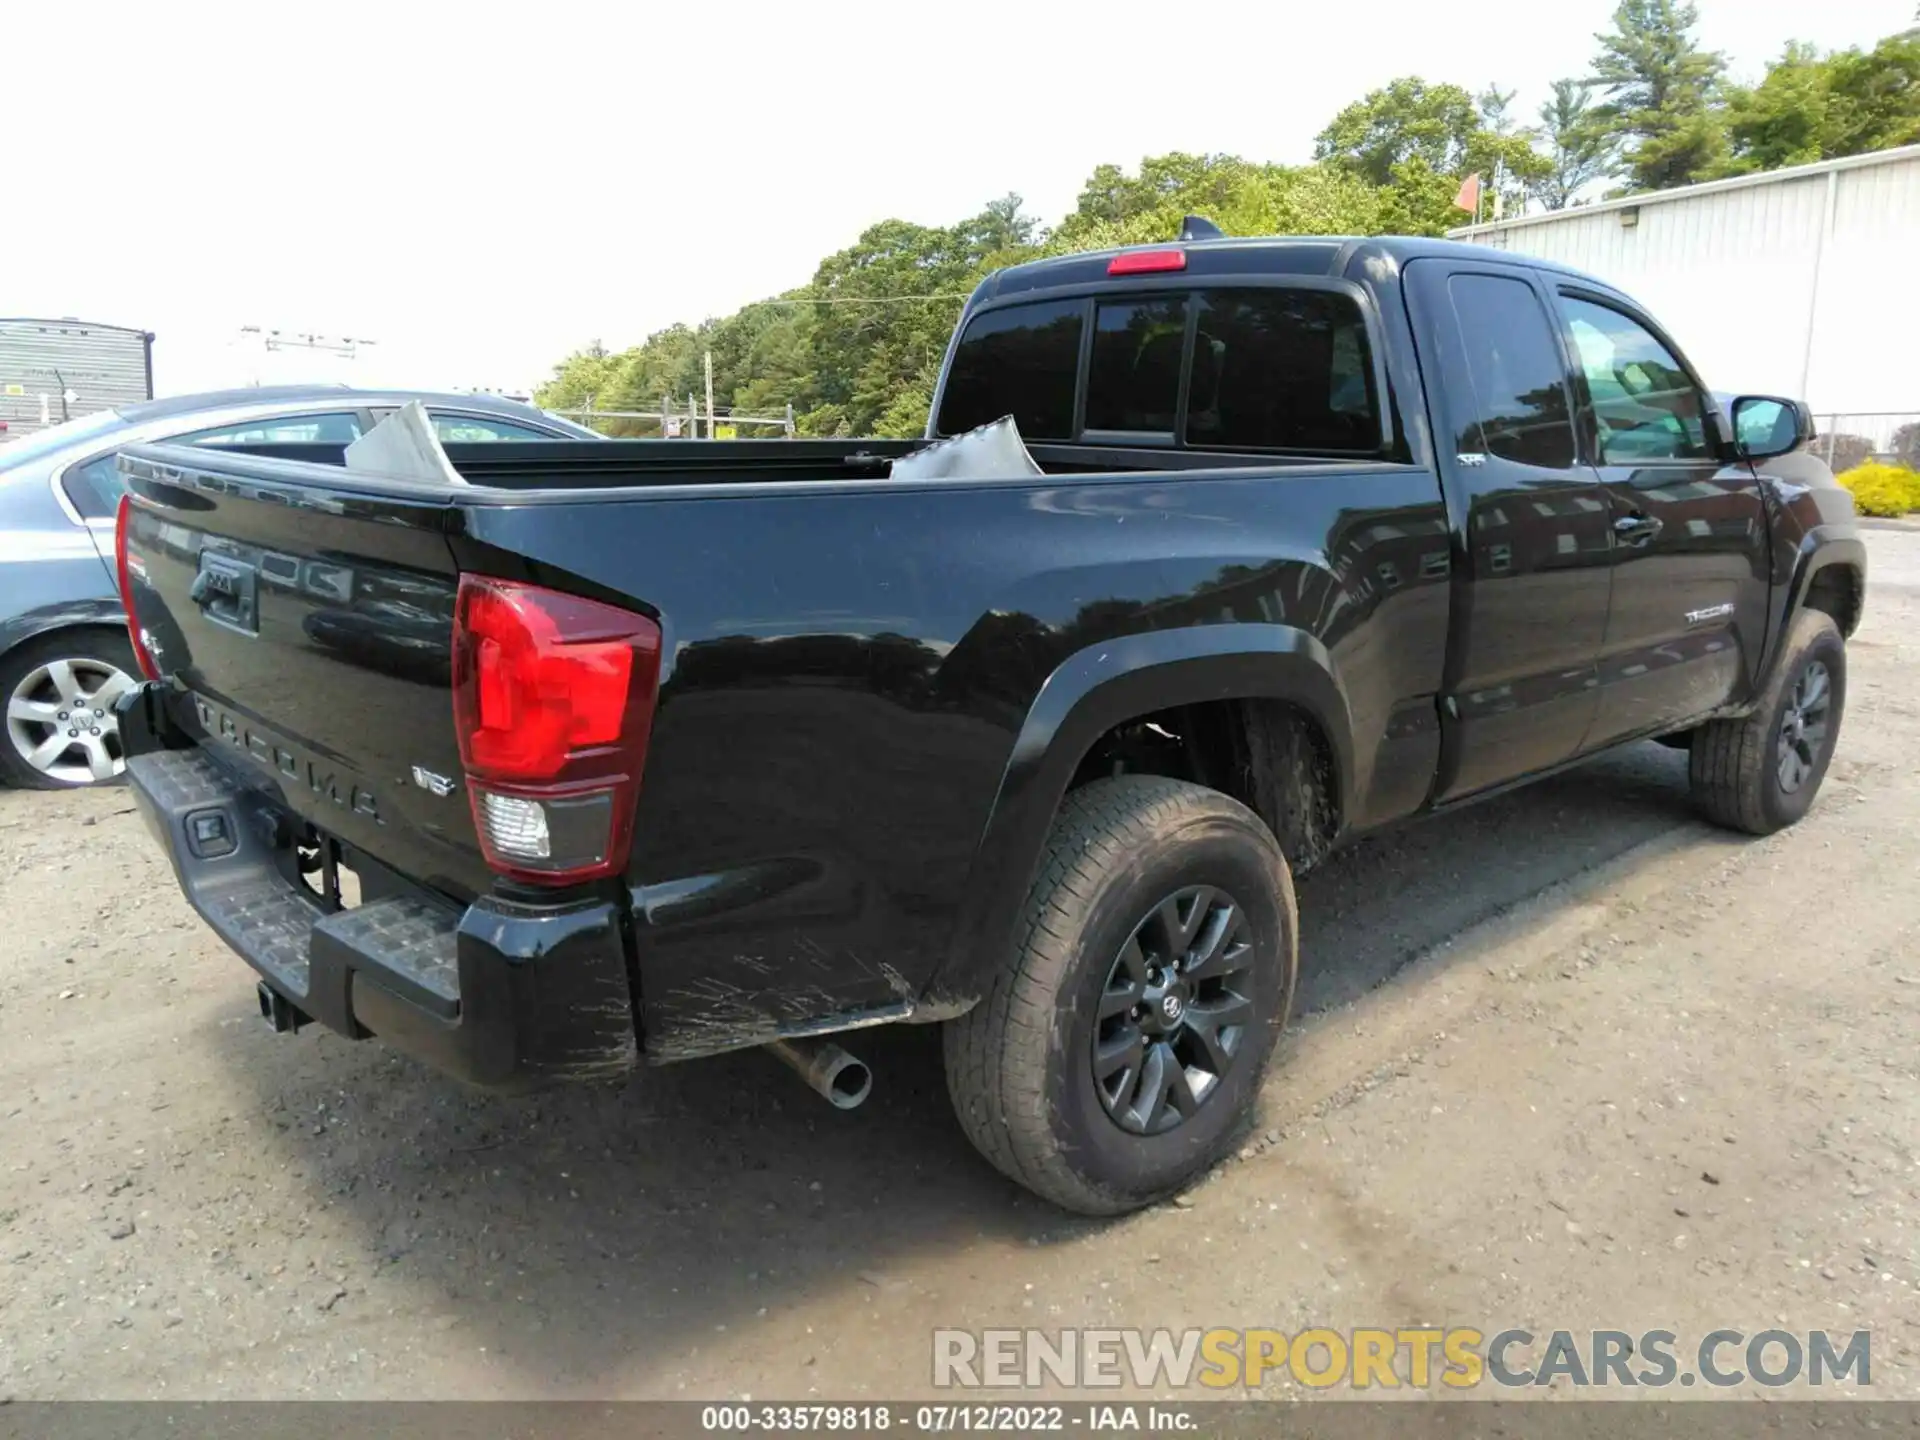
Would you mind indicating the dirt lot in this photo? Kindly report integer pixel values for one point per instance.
(1571, 1059)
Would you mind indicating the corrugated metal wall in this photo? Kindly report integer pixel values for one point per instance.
(102, 365)
(1732, 273)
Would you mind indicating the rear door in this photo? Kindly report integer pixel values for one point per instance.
(1690, 562)
(1530, 603)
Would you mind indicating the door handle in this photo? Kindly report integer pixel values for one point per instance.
(1636, 529)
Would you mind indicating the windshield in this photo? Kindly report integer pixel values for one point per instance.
(45, 442)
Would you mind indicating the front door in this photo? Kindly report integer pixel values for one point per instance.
(1690, 567)
(1530, 600)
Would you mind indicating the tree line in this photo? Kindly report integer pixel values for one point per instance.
(856, 350)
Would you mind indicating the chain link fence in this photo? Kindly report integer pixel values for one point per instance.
(689, 422)
(1845, 441)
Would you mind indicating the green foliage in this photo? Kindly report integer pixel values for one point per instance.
(1812, 107)
(1579, 146)
(1660, 87)
(1401, 135)
(1885, 490)
(857, 349)
(1407, 120)
(1241, 197)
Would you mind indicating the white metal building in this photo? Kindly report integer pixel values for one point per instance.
(1802, 282)
(54, 370)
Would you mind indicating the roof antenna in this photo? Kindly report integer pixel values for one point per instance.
(1198, 227)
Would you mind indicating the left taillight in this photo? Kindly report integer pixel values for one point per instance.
(125, 566)
(553, 700)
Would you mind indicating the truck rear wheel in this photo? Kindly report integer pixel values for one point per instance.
(1760, 773)
(1121, 1051)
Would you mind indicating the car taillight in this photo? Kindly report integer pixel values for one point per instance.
(123, 567)
(553, 700)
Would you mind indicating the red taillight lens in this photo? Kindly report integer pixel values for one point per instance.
(1146, 262)
(553, 700)
(123, 567)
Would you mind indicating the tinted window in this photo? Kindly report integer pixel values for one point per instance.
(1644, 406)
(342, 428)
(1134, 380)
(1517, 405)
(96, 487)
(466, 428)
(1282, 370)
(1022, 361)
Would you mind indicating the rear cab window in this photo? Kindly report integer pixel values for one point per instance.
(1283, 367)
(1133, 381)
(1022, 361)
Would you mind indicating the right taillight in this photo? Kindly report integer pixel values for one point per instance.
(123, 566)
(553, 698)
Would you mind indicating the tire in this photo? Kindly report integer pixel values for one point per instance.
(78, 670)
(1739, 768)
(1133, 858)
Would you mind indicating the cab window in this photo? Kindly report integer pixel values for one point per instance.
(467, 429)
(1023, 361)
(1281, 369)
(334, 428)
(1133, 381)
(1643, 403)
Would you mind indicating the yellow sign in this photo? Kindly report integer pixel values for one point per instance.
(16, 389)
(726, 432)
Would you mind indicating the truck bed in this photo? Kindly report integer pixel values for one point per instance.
(833, 643)
(650, 464)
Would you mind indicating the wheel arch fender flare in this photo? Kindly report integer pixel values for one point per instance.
(1090, 692)
(17, 630)
(1823, 548)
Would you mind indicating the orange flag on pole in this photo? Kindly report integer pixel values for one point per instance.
(1469, 197)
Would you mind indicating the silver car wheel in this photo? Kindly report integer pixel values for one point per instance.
(60, 719)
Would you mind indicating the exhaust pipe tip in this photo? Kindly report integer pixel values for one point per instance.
(849, 1084)
(842, 1080)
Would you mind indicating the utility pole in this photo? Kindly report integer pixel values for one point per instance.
(344, 347)
(706, 364)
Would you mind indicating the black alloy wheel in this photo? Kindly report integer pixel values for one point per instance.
(1174, 1010)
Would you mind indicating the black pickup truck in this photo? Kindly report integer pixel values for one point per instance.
(649, 750)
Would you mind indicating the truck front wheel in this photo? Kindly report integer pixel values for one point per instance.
(1121, 1051)
(1760, 773)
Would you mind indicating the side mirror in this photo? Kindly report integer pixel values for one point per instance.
(1766, 425)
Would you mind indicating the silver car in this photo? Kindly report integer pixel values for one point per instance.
(64, 655)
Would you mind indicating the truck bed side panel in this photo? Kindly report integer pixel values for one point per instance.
(847, 669)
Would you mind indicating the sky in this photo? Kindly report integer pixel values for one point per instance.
(481, 189)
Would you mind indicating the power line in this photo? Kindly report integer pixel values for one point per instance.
(862, 300)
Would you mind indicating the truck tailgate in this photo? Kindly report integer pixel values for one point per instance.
(310, 624)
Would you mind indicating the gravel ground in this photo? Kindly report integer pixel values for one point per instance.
(1569, 1059)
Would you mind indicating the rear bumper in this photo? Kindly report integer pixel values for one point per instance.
(501, 995)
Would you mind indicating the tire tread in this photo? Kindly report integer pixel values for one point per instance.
(995, 1068)
(1727, 765)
